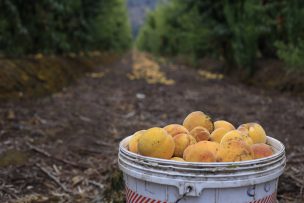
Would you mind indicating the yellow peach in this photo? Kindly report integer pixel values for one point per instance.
(236, 135)
(218, 134)
(175, 129)
(156, 142)
(177, 159)
(256, 132)
(223, 124)
(134, 141)
(182, 141)
(234, 150)
(200, 133)
(198, 118)
(204, 151)
(243, 130)
(261, 150)
(192, 139)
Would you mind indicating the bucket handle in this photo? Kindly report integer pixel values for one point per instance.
(188, 190)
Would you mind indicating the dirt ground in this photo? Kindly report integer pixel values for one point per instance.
(63, 148)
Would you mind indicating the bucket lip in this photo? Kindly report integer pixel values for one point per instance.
(279, 153)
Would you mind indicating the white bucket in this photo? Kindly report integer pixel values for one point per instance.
(157, 180)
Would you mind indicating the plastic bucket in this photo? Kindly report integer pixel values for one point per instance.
(157, 180)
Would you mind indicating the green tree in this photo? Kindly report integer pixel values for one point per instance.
(239, 31)
(55, 26)
(290, 45)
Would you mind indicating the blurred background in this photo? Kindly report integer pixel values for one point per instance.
(77, 76)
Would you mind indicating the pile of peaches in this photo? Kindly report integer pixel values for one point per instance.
(199, 139)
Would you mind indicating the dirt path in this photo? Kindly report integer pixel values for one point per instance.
(83, 124)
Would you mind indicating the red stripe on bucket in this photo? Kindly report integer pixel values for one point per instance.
(138, 198)
(269, 199)
(147, 200)
(127, 193)
(142, 199)
(133, 197)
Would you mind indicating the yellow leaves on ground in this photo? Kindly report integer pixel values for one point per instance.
(100, 74)
(38, 56)
(145, 68)
(209, 75)
(96, 75)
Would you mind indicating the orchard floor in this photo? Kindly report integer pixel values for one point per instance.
(63, 148)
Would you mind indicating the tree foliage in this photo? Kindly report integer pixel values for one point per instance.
(55, 26)
(290, 46)
(239, 31)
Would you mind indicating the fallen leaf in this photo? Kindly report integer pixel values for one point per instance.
(97, 75)
(76, 180)
(209, 75)
(11, 115)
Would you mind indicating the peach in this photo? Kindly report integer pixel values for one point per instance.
(198, 118)
(156, 142)
(218, 134)
(204, 151)
(134, 141)
(182, 141)
(243, 130)
(234, 150)
(261, 150)
(192, 139)
(175, 129)
(223, 124)
(236, 135)
(256, 132)
(177, 159)
(200, 133)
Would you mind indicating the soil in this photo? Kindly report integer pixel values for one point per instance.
(39, 75)
(65, 145)
(273, 74)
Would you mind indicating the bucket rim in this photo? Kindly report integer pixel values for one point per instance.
(279, 149)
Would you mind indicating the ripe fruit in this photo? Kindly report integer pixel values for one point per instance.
(236, 135)
(234, 150)
(261, 150)
(223, 124)
(256, 132)
(189, 142)
(243, 130)
(204, 151)
(134, 141)
(200, 133)
(198, 118)
(156, 142)
(218, 134)
(182, 141)
(177, 159)
(175, 129)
